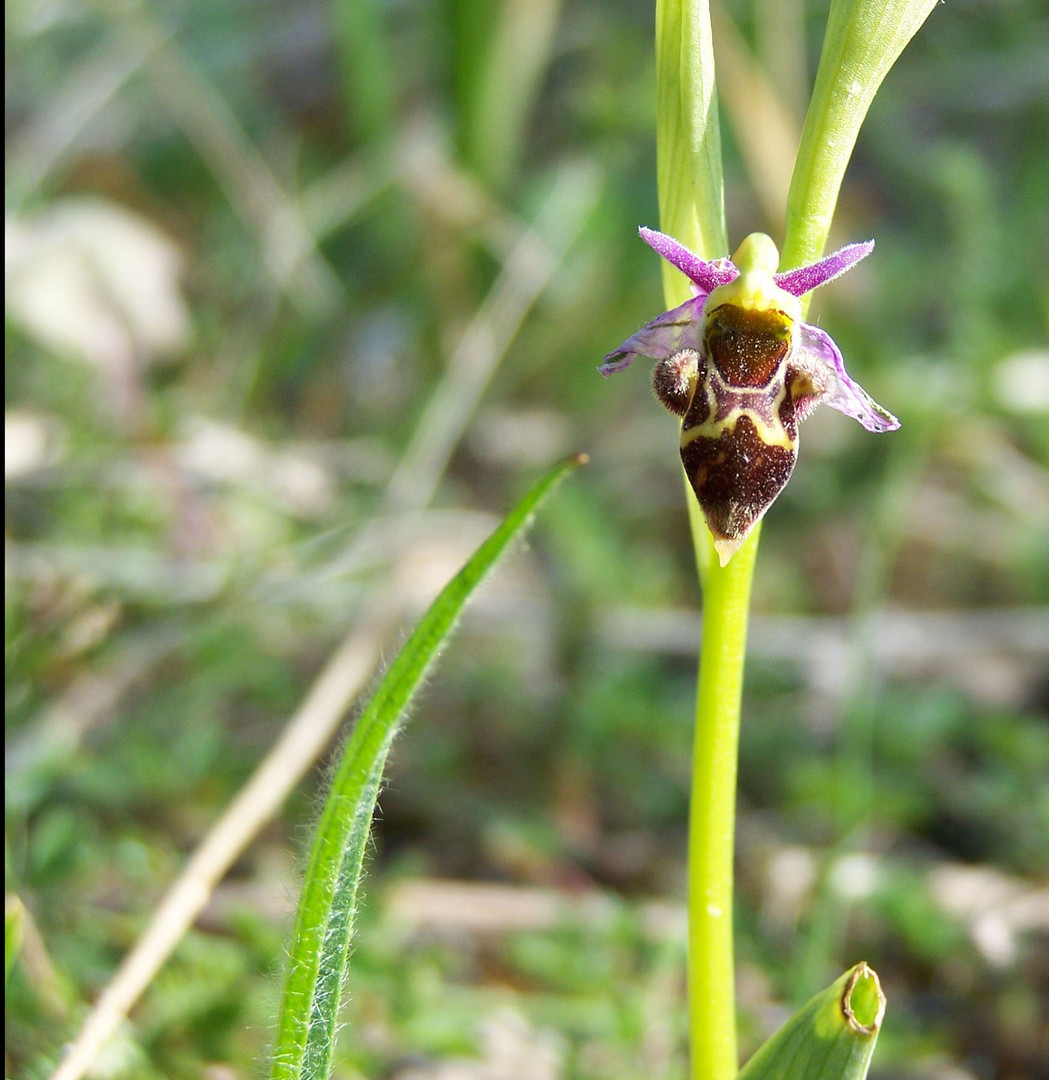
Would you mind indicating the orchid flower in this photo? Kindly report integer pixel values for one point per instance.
(742, 369)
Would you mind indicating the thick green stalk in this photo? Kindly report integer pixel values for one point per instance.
(712, 815)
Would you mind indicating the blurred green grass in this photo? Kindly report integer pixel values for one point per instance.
(199, 504)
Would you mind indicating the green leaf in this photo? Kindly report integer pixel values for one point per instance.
(864, 38)
(688, 137)
(830, 1038)
(307, 1023)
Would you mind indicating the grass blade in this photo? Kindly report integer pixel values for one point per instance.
(366, 72)
(13, 913)
(830, 1038)
(306, 1025)
(501, 50)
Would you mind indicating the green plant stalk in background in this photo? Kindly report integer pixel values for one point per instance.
(14, 930)
(863, 40)
(307, 1024)
(365, 68)
(500, 53)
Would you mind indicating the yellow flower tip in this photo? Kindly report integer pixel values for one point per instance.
(758, 253)
(757, 259)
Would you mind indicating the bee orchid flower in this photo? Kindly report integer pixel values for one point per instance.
(742, 369)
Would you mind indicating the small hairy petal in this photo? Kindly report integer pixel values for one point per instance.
(674, 380)
(815, 347)
(706, 276)
(670, 333)
(806, 278)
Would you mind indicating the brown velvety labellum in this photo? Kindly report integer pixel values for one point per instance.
(747, 346)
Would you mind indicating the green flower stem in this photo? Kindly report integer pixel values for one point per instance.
(712, 816)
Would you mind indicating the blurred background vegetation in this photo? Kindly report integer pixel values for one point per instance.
(300, 297)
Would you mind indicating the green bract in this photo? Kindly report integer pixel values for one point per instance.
(830, 1038)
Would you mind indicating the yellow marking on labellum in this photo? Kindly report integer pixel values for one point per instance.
(764, 414)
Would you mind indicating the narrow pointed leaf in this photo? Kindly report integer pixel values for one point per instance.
(830, 1038)
(688, 136)
(307, 1023)
(863, 40)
